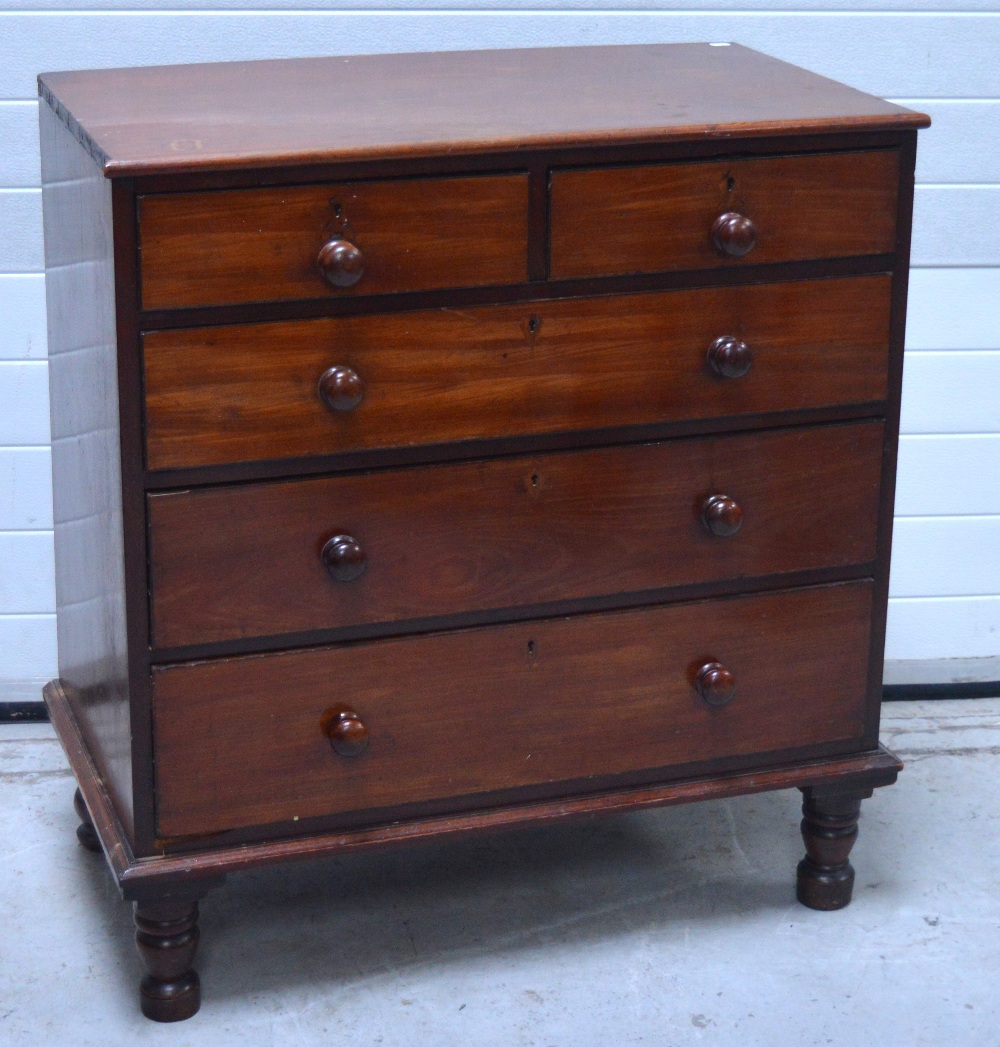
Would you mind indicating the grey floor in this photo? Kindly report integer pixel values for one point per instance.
(664, 928)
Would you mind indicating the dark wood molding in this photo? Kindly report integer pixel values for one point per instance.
(887, 495)
(360, 305)
(508, 615)
(501, 162)
(404, 457)
(171, 875)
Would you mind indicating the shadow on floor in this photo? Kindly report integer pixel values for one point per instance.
(348, 919)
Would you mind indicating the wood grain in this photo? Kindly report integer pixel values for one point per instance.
(887, 485)
(474, 711)
(608, 221)
(87, 494)
(148, 120)
(190, 867)
(252, 245)
(217, 395)
(244, 561)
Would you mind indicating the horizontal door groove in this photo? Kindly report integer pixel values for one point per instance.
(360, 305)
(406, 457)
(790, 581)
(578, 795)
(501, 162)
(252, 392)
(463, 715)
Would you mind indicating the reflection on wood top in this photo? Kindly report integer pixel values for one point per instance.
(316, 110)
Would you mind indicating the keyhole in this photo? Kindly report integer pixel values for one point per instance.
(531, 648)
(534, 323)
(337, 210)
(534, 479)
(730, 183)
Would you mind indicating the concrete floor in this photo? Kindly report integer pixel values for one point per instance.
(664, 928)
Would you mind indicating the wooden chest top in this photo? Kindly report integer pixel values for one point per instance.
(321, 110)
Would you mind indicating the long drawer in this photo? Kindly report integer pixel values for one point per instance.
(275, 738)
(405, 544)
(259, 245)
(216, 395)
(616, 220)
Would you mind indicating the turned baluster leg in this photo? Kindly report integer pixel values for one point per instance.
(166, 935)
(85, 832)
(829, 828)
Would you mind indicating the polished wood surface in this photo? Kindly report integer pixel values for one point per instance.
(301, 352)
(340, 262)
(247, 392)
(536, 702)
(825, 876)
(729, 357)
(715, 683)
(734, 234)
(609, 220)
(166, 119)
(347, 732)
(166, 937)
(343, 558)
(340, 388)
(237, 562)
(85, 831)
(722, 515)
(91, 618)
(254, 245)
(183, 864)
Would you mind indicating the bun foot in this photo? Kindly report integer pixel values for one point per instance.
(166, 935)
(170, 1001)
(829, 827)
(85, 831)
(825, 890)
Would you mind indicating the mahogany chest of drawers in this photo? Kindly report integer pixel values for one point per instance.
(444, 442)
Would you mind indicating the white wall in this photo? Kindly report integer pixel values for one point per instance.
(946, 571)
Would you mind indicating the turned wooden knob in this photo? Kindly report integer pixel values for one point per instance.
(715, 683)
(728, 357)
(346, 731)
(344, 558)
(734, 234)
(721, 515)
(341, 263)
(341, 389)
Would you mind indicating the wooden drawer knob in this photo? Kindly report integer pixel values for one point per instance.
(344, 558)
(721, 515)
(347, 733)
(715, 683)
(341, 263)
(734, 234)
(728, 357)
(341, 389)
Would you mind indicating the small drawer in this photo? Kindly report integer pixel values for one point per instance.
(382, 726)
(408, 544)
(218, 395)
(319, 241)
(618, 220)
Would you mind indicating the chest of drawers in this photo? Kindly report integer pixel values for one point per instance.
(450, 442)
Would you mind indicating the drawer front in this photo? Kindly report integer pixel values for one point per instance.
(241, 742)
(244, 561)
(618, 220)
(216, 395)
(260, 245)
